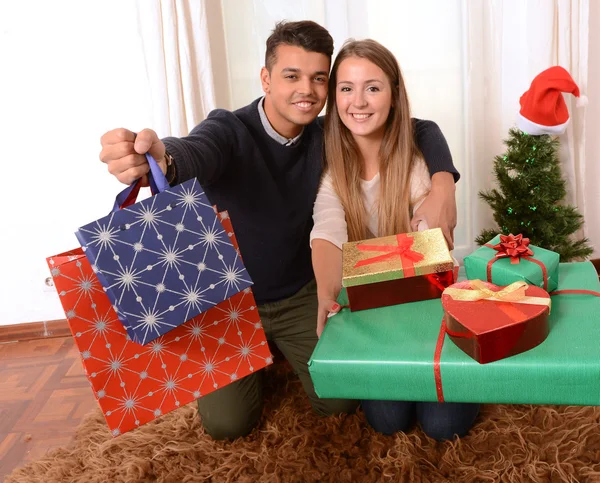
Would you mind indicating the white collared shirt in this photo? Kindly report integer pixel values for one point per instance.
(269, 129)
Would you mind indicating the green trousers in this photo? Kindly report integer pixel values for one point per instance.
(234, 410)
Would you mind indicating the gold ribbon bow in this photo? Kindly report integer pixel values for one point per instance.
(513, 293)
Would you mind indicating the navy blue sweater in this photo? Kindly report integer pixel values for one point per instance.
(269, 189)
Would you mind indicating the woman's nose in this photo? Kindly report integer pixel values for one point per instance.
(359, 100)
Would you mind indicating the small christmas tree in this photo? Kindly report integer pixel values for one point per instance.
(527, 201)
(530, 183)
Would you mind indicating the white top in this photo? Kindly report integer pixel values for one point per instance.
(328, 212)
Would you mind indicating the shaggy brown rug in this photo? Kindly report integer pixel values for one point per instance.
(508, 444)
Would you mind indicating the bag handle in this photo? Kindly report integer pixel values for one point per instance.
(158, 184)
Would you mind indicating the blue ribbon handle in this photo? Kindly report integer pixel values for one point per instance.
(158, 184)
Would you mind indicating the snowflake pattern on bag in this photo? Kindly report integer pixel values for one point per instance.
(163, 260)
(135, 384)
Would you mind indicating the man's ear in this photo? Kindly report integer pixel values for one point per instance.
(265, 80)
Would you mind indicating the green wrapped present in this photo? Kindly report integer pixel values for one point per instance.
(510, 258)
(389, 353)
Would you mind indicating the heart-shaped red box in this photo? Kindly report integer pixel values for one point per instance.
(490, 323)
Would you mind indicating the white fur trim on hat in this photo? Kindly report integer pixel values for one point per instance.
(535, 129)
(581, 101)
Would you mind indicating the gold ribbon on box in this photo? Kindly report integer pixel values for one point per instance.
(513, 293)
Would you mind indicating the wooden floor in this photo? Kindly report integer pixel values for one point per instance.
(43, 397)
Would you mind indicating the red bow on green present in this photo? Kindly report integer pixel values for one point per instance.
(513, 246)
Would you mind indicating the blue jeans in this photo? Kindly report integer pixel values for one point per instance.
(439, 421)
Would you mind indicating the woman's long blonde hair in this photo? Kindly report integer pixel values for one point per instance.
(396, 155)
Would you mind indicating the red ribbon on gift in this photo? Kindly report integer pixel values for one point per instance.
(441, 280)
(437, 369)
(408, 256)
(514, 247)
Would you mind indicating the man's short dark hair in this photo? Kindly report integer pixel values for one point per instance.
(306, 34)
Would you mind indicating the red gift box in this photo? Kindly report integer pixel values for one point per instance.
(392, 270)
(135, 384)
(490, 323)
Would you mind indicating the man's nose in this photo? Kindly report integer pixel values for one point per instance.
(305, 86)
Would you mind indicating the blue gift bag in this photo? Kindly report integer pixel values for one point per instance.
(163, 260)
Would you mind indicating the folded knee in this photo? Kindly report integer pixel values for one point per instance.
(332, 407)
(388, 417)
(457, 421)
(444, 431)
(230, 428)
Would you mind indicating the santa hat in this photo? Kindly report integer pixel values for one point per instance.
(543, 109)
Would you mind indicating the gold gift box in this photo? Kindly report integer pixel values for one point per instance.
(430, 244)
(396, 269)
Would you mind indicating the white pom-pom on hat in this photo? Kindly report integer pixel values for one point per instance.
(582, 101)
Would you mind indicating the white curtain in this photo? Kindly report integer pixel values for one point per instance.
(590, 191)
(178, 61)
(509, 42)
(472, 62)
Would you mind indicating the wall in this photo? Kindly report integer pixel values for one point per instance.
(71, 81)
(64, 82)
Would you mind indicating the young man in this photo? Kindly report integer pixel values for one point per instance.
(262, 163)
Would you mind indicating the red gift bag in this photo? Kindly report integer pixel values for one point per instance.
(135, 384)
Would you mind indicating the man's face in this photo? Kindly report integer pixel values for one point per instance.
(295, 89)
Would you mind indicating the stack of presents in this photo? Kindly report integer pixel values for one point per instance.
(162, 312)
(159, 303)
(513, 326)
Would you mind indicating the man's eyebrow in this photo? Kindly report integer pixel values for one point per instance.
(295, 70)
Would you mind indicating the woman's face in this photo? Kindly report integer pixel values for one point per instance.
(363, 97)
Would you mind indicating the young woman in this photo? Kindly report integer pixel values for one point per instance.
(375, 178)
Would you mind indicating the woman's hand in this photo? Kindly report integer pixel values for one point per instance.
(327, 263)
(327, 308)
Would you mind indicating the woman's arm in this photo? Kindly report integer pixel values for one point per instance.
(327, 236)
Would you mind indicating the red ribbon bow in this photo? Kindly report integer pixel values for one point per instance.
(513, 246)
(403, 250)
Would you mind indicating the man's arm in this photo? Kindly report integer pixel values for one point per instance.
(435, 150)
(439, 208)
(204, 154)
